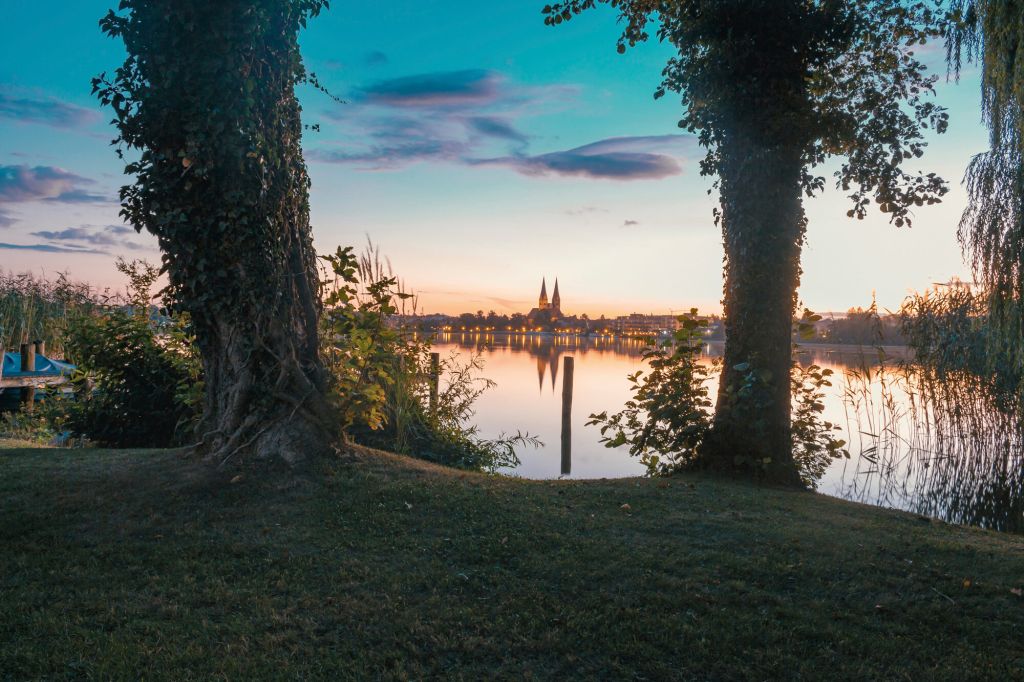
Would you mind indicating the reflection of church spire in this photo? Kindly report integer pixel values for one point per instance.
(554, 367)
(542, 303)
(541, 367)
(556, 299)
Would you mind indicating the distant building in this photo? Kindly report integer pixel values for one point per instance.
(546, 313)
(645, 325)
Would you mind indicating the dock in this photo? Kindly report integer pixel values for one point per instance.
(31, 369)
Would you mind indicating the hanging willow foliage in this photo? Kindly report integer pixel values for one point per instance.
(991, 34)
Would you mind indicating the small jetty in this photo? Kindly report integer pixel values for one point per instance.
(30, 369)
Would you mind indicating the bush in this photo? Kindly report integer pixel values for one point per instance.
(669, 415)
(666, 421)
(131, 383)
(444, 435)
(139, 379)
(380, 374)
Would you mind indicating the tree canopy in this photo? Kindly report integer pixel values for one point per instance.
(865, 94)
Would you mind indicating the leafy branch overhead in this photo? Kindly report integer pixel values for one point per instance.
(864, 98)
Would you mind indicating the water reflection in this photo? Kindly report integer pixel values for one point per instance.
(548, 349)
(949, 447)
(944, 448)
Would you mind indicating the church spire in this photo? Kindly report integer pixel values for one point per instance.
(542, 303)
(556, 299)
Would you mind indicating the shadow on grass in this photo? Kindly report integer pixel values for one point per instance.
(123, 563)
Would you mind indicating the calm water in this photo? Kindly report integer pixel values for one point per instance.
(906, 451)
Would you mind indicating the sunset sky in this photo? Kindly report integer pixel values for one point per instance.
(479, 149)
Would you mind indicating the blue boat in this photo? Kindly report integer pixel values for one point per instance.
(48, 372)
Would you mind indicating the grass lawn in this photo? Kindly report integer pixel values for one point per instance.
(138, 564)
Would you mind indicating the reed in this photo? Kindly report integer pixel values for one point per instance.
(35, 307)
(945, 444)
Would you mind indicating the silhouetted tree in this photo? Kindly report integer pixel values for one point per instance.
(205, 103)
(773, 88)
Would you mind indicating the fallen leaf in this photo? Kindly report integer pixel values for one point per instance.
(408, 506)
(237, 478)
(1017, 591)
(625, 507)
(967, 583)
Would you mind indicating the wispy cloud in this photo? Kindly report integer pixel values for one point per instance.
(473, 117)
(45, 248)
(445, 116)
(439, 89)
(510, 303)
(617, 158)
(497, 128)
(375, 58)
(45, 111)
(630, 223)
(397, 141)
(585, 210)
(105, 238)
(6, 219)
(45, 183)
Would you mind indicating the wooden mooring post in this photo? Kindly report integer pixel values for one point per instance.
(435, 380)
(28, 364)
(567, 372)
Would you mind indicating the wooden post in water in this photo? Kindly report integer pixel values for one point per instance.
(435, 380)
(28, 364)
(40, 347)
(567, 373)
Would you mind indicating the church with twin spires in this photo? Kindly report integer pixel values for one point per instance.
(546, 312)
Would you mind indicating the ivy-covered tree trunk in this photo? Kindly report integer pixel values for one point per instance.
(207, 97)
(763, 226)
(773, 88)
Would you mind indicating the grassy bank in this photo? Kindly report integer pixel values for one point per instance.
(138, 564)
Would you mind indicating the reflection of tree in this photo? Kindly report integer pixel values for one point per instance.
(952, 449)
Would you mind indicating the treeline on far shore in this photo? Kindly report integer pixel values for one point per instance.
(858, 326)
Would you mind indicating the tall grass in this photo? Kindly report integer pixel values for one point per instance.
(33, 307)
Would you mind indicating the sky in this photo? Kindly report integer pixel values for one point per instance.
(478, 149)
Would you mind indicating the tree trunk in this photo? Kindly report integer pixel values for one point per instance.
(763, 226)
(207, 95)
(265, 383)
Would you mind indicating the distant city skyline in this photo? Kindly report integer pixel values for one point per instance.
(477, 152)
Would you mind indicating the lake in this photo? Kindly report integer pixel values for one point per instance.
(912, 447)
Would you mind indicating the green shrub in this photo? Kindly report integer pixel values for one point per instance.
(130, 383)
(139, 378)
(669, 416)
(380, 374)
